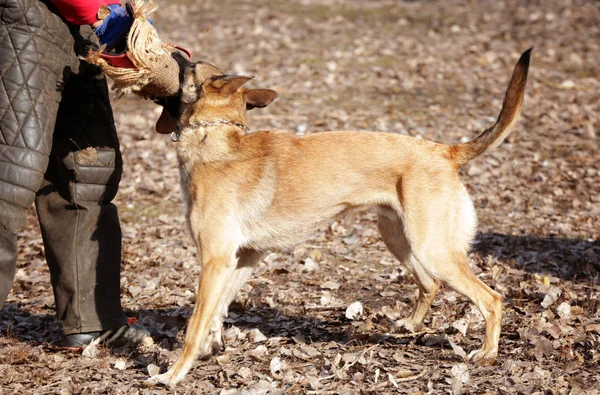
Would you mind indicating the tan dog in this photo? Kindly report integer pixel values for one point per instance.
(247, 193)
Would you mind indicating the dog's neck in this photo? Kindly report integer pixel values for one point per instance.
(206, 124)
(208, 141)
(218, 122)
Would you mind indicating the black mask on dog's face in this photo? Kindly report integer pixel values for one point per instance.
(173, 104)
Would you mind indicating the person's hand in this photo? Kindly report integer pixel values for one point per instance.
(113, 29)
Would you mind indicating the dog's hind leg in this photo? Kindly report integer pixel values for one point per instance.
(439, 230)
(392, 232)
(453, 269)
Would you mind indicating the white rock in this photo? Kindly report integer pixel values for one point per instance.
(120, 364)
(354, 311)
(147, 342)
(277, 366)
(310, 265)
(551, 296)
(325, 299)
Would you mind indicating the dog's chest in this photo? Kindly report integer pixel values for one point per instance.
(184, 178)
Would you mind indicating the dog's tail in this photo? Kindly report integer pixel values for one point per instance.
(461, 154)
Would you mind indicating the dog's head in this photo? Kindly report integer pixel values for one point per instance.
(224, 97)
(191, 79)
(206, 92)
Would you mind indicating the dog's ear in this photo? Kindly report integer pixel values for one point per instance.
(259, 98)
(226, 84)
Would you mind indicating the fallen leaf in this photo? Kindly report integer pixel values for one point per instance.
(461, 325)
(564, 311)
(330, 285)
(543, 348)
(460, 374)
(153, 370)
(458, 350)
(91, 350)
(256, 336)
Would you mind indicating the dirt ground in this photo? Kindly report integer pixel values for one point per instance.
(430, 69)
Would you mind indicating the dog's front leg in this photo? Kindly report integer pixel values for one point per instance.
(248, 259)
(198, 340)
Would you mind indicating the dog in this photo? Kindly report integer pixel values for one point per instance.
(246, 193)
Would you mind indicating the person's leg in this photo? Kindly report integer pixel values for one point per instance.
(12, 217)
(38, 62)
(80, 225)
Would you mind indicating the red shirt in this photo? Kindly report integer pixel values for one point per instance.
(81, 12)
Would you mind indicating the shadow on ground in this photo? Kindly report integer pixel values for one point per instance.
(569, 259)
(20, 323)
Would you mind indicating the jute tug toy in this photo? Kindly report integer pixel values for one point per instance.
(147, 67)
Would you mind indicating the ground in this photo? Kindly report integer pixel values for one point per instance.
(430, 69)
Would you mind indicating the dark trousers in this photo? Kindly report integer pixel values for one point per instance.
(58, 146)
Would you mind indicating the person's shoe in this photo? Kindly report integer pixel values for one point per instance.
(131, 333)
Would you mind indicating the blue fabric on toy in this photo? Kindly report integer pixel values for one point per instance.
(114, 26)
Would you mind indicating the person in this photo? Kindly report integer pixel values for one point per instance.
(59, 148)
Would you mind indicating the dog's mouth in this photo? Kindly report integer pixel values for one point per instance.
(174, 106)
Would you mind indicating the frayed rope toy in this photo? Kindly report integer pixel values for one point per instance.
(147, 67)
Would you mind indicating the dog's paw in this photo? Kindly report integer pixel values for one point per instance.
(483, 357)
(216, 340)
(164, 379)
(217, 346)
(210, 348)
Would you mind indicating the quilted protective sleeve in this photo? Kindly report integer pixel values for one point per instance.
(36, 50)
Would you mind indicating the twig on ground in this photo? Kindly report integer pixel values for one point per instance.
(411, 334)
(384, 384)
(348, 366)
